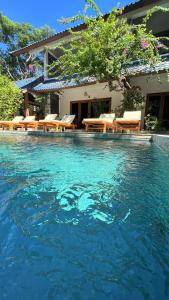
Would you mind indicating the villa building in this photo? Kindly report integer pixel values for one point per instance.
(86, 98)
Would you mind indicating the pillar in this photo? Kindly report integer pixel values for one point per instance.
(26, 104)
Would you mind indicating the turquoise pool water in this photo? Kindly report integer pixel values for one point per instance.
(83, 219)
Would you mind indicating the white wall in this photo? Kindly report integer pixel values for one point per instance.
(159, 22)
(157, 83)
(99, 90)
(150, 84)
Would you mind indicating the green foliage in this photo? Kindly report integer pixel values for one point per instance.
(93, 5)
(10, 98)
(133, 99)
(107, 48)
(41, 99)
(13, 36)
(150, 122)
(153, 124)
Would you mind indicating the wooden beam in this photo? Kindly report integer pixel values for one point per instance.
(54, 56)
(26, 104)
(46, 64)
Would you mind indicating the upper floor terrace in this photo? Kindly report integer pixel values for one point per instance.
(49, 47)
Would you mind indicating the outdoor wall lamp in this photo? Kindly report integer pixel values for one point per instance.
(86, 94)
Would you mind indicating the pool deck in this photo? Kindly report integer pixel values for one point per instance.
(83, 134)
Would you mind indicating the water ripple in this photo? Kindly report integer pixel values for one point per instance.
(83, 220)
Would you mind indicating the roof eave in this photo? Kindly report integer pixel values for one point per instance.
(63, 88)
(51, 39)
(58, 36)
(94, 82)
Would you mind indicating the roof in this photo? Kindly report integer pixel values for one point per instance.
(134, 5)
(29, 82)
(54, 84)
(39, 85)
(164, 66)
(137, 69)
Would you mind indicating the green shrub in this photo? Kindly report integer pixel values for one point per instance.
(133, 99)
(10, 98)
(153, 124)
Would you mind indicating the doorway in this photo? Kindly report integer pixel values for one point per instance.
(54, 104)
(158, 106)
(89, 109)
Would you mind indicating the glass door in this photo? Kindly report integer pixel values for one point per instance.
(74, 110)
(89, 109)
(166, 112)
(54, 104)
(158, 106)
(153, 105)
(99, 107)
(84, 112)
(81, 109)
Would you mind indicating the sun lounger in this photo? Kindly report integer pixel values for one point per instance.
(28, 122)
(131, 121)
(64, 123)
(104, 122)
(12, 123)
(67, 122)
(48, 118)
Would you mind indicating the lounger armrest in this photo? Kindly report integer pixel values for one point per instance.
(91, 119)
(120, 119)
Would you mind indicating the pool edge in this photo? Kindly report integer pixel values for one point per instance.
(73, 134)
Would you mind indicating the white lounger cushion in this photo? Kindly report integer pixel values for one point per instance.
(103, 117)
(29, 119)
(130, 115)
(17, 119)
(50, 117)
(107, 117)
(68, 119)
(92, 120)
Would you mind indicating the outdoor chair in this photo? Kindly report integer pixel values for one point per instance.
(12, 123)
(65, 123)
(29, 122)
(103, 123)
(131, 121)
(48, 118)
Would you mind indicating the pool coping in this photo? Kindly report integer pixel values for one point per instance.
(81, 134)
(160, 140)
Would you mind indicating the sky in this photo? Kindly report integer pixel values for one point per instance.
(42, 12)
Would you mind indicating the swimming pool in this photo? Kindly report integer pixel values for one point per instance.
(83, 219)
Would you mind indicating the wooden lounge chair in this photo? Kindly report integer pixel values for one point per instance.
(67, 122)
(11, 124)
(48, 118)
(131, 121)
(64, 123)
(104, 122)
(28, 122)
